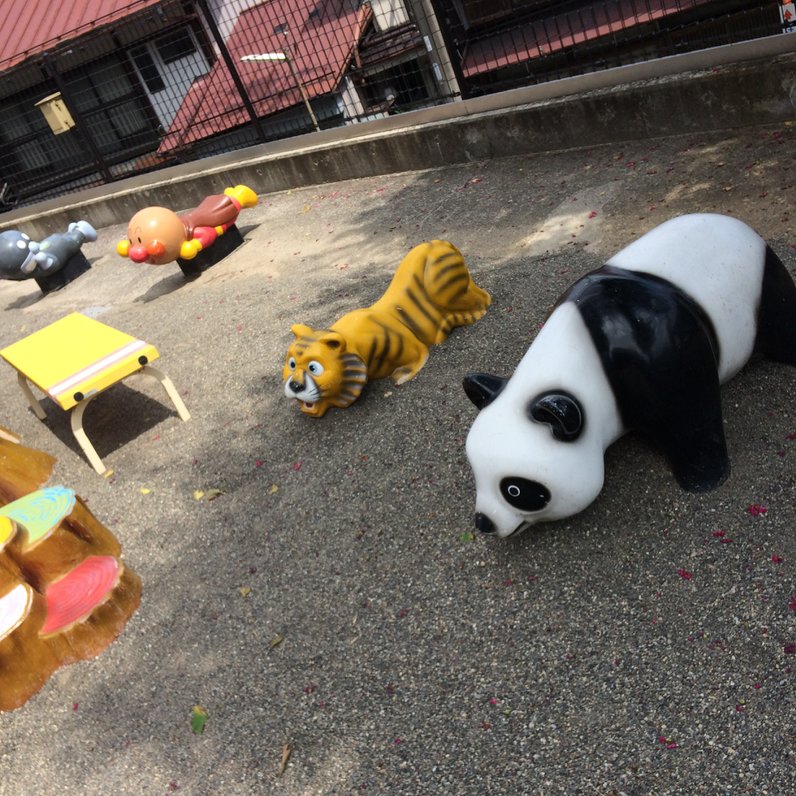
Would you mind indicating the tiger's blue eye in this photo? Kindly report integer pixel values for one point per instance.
(315, 368)
(291, 363)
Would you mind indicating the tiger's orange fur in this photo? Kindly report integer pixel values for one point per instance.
(430, 294)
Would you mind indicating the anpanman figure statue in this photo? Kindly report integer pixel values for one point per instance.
(157, 236)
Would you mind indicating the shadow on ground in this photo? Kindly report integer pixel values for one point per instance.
(334, 597)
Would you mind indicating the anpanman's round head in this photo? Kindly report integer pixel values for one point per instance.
(154, 236)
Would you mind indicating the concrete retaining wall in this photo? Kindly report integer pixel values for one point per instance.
(753, 83)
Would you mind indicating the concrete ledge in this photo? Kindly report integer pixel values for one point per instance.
(752, 83)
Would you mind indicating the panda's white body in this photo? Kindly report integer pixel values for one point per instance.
(718, 263)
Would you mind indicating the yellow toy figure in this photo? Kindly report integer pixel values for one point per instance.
(431, 293)
(156, 235)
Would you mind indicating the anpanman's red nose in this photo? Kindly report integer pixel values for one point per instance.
(138, 253)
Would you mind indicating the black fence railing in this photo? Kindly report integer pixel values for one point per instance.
(504, 44)
(157, 83)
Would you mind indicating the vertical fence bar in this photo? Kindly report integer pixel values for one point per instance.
(210, 21)
(432, 23)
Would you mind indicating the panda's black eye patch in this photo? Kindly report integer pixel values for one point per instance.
(524, 494)
(561, 412)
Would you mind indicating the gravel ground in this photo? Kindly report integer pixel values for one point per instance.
(335, 601)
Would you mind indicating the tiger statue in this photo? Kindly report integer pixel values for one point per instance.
(430, 294)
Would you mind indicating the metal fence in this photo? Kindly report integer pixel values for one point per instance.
(160, 83)
(504, 44)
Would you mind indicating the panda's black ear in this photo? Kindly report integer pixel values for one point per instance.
(561, 412)
(483, 388)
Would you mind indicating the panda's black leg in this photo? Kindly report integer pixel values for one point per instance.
(691, 435)
(776, 323)
(698, 456)
(677, 407)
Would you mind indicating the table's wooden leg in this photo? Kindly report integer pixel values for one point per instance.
(10, 436)
(170, 389)
(34, 404)
(76, 419)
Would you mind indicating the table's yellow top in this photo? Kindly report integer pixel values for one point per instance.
(77, 356)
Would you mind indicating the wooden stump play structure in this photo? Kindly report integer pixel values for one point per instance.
(64, 592)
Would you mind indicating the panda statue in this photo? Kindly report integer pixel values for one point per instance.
(641, 344)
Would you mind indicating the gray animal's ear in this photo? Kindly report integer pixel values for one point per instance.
(561, 412)
(483, 388)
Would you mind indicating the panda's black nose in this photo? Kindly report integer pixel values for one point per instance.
(484, 524)
(296, 386)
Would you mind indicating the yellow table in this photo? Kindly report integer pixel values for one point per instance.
(75, 359)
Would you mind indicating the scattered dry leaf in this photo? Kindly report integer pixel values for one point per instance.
(286, 752)
(198, 719)
(276, 640)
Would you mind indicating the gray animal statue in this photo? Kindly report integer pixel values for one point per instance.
(23, 258)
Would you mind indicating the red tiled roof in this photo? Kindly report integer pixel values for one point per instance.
(544, 36)
(322, 37)
(33, 26)
(379, 47)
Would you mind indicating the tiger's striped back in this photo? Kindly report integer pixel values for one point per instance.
(432, 292)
